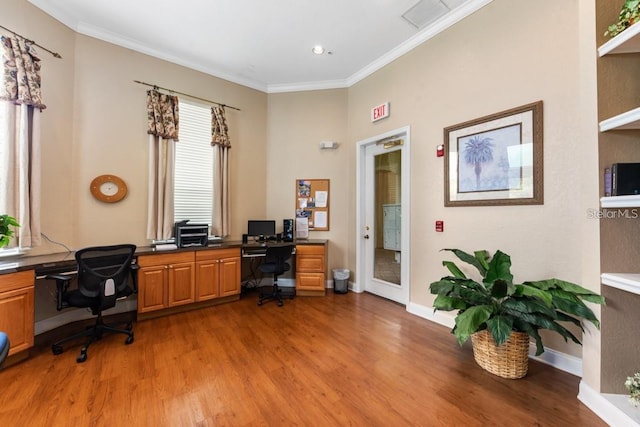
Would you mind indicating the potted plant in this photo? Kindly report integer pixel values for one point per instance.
(6, 232)
(495, 310)
(629, 15)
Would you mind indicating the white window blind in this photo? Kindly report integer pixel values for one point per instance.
(193, 196)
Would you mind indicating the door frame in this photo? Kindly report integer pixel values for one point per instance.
(361, 197)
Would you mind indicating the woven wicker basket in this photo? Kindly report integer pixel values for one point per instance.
(509, 360)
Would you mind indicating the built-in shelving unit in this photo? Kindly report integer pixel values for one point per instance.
(615, 78)
(627, 41)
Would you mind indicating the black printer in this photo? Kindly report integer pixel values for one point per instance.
(189, 235)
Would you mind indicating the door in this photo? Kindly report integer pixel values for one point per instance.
(383, 214)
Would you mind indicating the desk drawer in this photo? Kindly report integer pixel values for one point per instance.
(165, 259)
(11, 281)
(310, 250)
(210, 254)
(310, 264)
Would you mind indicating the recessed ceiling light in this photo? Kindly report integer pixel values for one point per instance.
(318, 50)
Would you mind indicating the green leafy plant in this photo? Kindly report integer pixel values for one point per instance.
(629, 15)
(6, 232)
(497, 304)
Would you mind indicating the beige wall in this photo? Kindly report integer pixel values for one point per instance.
(507, 54)
(298, 122)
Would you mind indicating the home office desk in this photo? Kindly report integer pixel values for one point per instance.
(309, 261)
(168, 282)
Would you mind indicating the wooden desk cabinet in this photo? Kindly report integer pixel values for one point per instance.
(311, 262)
(165, 280)
(17, 309)
(217, 273)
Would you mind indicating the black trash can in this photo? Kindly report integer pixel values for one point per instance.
(340, 280)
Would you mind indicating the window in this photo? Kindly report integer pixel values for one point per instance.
(193, 193)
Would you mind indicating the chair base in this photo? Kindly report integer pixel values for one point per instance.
(94, 333)
(275, 294)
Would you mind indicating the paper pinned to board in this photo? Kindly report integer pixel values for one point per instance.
(302, 228)
(321, 200)
(320, 219)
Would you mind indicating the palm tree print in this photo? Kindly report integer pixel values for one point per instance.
(477, 151)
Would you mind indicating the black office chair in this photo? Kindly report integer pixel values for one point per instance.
(4, 347)
(275, 262)
(103, 277)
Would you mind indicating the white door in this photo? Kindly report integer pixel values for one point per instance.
(383, 216)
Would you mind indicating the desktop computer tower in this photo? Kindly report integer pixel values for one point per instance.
(287, 230)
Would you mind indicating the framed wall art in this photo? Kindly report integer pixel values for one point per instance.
(496, 159)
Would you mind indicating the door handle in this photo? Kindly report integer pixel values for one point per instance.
(366, 236)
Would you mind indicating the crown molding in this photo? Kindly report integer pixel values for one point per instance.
(429, 32)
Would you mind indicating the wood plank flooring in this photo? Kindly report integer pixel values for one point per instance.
(339, 360)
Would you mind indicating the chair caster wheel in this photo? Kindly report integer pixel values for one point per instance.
(129, 339)
(81, 358)
(280, 303)
(56, 349)
(259, 302)
(129, 326)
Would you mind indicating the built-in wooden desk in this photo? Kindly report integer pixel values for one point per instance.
(168, 281)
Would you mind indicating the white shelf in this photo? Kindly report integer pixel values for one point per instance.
(626, 120)
(627, 41)
(625, 281)
(632, 201)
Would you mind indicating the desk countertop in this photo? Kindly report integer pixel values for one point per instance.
(62, 260)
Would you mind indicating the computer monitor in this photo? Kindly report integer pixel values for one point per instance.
(261, 227)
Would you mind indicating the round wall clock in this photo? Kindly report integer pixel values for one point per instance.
(108, 188)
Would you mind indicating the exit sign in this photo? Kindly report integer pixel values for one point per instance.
(380, 112)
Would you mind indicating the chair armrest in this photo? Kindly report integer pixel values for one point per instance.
(134, 277)
(62, 284)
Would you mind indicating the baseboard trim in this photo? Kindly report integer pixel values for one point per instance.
(604, 408)
(562, 361)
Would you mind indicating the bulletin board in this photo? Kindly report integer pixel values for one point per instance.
(312, 202)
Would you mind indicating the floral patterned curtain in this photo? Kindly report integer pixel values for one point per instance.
(220, 223)
(21, 82)
(219, 129)
(20, 161)
(162, 113)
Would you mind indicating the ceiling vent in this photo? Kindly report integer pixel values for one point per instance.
(425, 12)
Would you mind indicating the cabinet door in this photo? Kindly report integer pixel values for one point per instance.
(16, 318)
(181, 284)
(310, 281)
(207, 285)
(229, 276)
(152, 282)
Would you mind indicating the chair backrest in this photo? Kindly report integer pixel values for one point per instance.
(103, 271)
(278, 255)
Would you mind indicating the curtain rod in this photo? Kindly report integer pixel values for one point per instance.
(55, 54)
(186, 94)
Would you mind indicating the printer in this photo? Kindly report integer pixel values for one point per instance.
(190, 235)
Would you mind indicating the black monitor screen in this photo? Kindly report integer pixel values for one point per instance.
(261, 228)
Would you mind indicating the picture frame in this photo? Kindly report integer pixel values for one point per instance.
(495, 160)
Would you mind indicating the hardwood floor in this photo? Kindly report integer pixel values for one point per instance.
(352, 359)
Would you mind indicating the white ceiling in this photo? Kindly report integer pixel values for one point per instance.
(265, 44)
